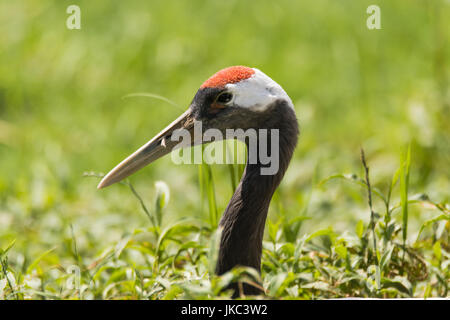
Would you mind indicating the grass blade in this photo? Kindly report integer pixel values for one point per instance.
(404, 182)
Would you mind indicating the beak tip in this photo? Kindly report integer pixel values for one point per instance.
(102, 184)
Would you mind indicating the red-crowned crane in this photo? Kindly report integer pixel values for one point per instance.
(234, 98)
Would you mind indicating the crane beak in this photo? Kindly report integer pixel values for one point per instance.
(157, 147)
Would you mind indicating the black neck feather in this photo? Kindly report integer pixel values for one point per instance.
(244, 219)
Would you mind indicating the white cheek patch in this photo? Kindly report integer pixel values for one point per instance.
(257, 92)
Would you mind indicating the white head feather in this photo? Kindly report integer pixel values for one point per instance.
(257, 92)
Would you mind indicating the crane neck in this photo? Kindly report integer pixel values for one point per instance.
(244, 218)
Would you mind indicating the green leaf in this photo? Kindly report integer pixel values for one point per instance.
(386, 257)
(178, 228)
(279, 283)
(5, 251)
(213, 253)
(324, 232)
(317, 285)
(399, 283)
(404, 183)
(287, 249)
(390, 229)
(394, 181)
(360, 229)
(378, 277)
(120, 246)
(341, 250)
(37, 260)
(208, 187)
(162, 199)
(431, 221)
(437, 250)
(276, 282)
(172, 293)
(273, 229)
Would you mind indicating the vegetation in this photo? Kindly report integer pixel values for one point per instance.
(69, 111)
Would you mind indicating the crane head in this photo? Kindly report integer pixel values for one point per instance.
(236, 97)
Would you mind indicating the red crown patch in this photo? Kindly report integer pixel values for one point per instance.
(228, 75)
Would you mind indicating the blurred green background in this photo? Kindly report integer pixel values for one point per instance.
(62, 111)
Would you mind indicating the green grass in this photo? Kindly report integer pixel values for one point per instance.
(167, 261)
(75, 102)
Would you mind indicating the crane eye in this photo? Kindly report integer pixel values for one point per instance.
(224, 97)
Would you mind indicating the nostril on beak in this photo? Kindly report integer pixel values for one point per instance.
(163, 140)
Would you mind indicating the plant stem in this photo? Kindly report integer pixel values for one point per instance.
(372, 213)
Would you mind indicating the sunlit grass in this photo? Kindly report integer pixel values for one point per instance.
(176, 260)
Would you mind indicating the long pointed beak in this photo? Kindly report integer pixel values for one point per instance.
(157, 147)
